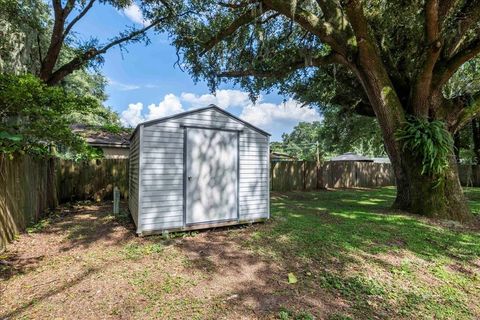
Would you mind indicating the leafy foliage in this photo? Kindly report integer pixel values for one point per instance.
(337, 133)
(428, 141)
(35, 118)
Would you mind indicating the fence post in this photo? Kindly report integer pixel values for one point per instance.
(116, 201)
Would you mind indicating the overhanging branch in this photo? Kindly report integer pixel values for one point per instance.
(446, 70)
(466, 19)
(244, 19)
(78, 17)
(470, 110)
(91, 53)
(284, 70)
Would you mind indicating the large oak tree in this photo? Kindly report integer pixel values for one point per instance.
(390, 59)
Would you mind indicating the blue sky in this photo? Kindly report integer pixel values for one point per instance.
(144, 84)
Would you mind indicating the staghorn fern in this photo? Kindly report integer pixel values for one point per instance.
(429, 142)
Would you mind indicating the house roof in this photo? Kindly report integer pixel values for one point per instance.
(351, 156)
(212, 106)
(282, 156)
(98, 137)
(381, 160)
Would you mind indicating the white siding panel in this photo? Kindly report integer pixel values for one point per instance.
(160, 211)
(254, 183)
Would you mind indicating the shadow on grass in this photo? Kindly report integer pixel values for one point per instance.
(11, 264)
(78, 279)
(79, 226)
(88, 224)
(321, 236)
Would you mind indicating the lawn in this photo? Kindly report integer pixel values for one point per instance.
(323, 255)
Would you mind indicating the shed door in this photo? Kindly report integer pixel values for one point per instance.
(211, 175)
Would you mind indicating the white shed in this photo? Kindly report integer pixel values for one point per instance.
(198, 169)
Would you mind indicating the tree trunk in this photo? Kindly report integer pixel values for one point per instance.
(420, 194)
(423, 195)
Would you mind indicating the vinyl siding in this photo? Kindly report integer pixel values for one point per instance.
(162, 170)
(254, 175)
(133, 177)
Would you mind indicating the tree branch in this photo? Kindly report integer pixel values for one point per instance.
(444, 8)
(422, 92)
(238, 5)
(78, 17)
(56, 41)
(68, 8)
(241, 21)
(286, 69)
(91, 53)
(469, 111)
(372, 74)
(446, 70)
(467, 18)
(309, 22)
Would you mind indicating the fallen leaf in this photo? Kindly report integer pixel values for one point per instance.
(291, 278)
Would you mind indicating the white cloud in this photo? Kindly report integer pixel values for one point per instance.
(170, 105)
(123, 86)
(273, 117)
(134, 13)
(133, 115)
(222, 98)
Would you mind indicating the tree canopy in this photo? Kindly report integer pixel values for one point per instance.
(35, 118)
(41, 38)
(338, 132)
(395, 60)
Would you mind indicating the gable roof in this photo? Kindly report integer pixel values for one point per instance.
(212, 107)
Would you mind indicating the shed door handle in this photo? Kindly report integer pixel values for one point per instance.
(189, 178)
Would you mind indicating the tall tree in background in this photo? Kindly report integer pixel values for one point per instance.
(391, 59)
(48, 38)
(339, 131)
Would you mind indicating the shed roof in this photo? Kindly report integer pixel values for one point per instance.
(212, 106)
(351, 156)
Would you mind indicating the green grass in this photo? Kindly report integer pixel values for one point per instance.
(382, 263)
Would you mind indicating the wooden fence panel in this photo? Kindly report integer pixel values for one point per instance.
(311, 175)
(94, 179)
(26, 193)
(305, 175)
(287, 175)
(369, 174)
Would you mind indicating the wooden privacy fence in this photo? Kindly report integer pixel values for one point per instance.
(348, 174)
(294, 175)
(29, 186)
(93, 179)
(27, 190)
(306, 175)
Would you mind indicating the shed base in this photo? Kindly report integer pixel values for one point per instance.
(201, 226)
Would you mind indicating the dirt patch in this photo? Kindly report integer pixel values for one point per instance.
(87, 264)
